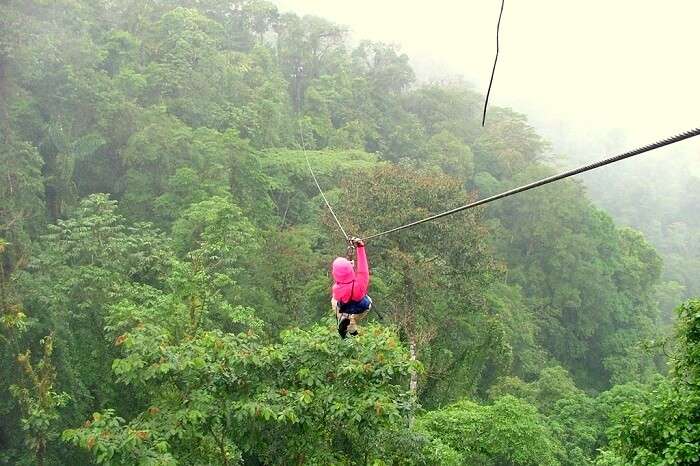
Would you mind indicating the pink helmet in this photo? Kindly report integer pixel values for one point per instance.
(343, 270)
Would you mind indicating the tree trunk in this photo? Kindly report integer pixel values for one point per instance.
(40, 453)
(3, 294)
(413, 385)
(4, 97)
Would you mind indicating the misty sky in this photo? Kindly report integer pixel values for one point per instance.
(578, 67)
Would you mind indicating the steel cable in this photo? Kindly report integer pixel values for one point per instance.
(550, 179)
(495, 60)
(313, 175)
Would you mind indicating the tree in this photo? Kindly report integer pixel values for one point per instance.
(452, 155)
(206, 338)
(307, 48)
(421, 269)
(21, 207)
(508, 432)
(81, 267)
(598, 308)
(387, 70)
(220, 396)
(39, 400)
(219, 240)
(666, 429)
(169, 166)
(451, 107)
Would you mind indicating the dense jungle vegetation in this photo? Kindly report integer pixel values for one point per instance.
(663, 207)
(164, 272)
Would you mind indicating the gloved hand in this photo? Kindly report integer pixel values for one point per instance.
(357, 242)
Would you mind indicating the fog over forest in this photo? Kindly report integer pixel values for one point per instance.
(218, 243)
(589, 95)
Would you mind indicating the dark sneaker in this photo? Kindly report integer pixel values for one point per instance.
(343, 324)
(354, 334)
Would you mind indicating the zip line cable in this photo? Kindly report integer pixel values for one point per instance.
(550, 179)
(313, 175)
(493, 71)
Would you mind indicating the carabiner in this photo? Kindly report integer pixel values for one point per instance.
(350, 251)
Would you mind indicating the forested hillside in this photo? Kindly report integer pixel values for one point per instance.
(663, 206)
(165, 285)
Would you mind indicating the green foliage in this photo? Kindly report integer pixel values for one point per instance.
(594, 315)
(552, 385)
(82, 266)
(573, 417)
(218, 229)
(106, 437)
(21, 203)
(520, 329)
(435, 275)
(218, 395)
(197, 340)
(666, 429)
(508, 432)
(451, 155)
(294, 276)
(662, 206)
(39, 401)
(578, 420)
(292, 189)
(686, 364)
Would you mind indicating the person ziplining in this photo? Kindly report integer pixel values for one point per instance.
(352, 304)
(349, 297)
(349, 292)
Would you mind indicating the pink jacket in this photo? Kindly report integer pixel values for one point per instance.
(350, 285)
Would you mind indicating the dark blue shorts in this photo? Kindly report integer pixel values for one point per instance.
(356, 307)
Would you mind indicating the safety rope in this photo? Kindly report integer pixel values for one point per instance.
(313, 175)
(493, 71)
(550, 179)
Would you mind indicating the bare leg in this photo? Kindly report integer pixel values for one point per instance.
(343, 319)
(354, 319)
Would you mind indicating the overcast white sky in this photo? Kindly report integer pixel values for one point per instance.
(577, 66)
